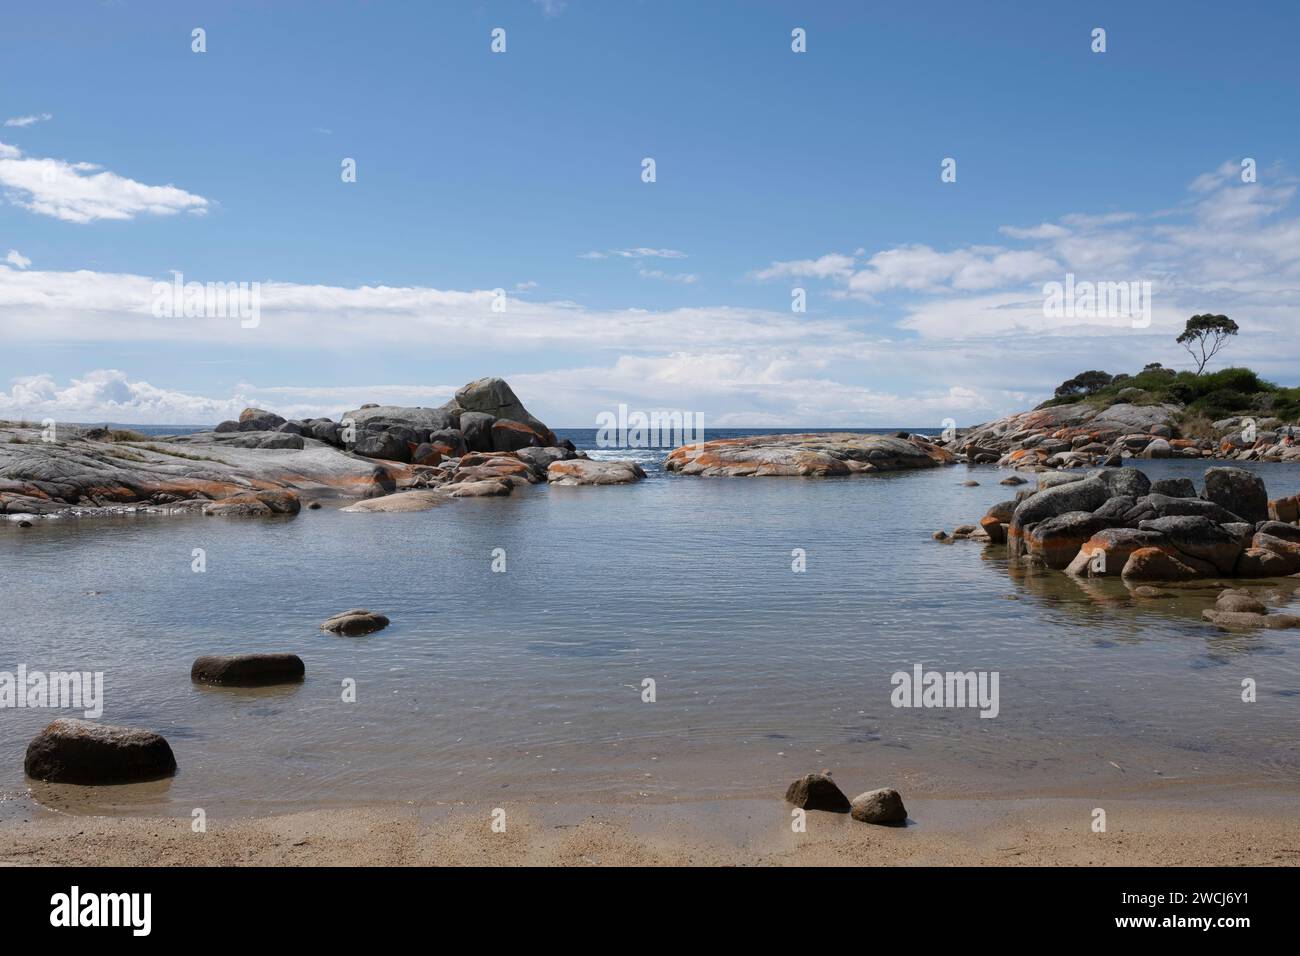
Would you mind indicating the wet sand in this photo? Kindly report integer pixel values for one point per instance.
(1157, 825)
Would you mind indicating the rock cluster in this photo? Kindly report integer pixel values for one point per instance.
(1082, 435)
(811, 455)
(817, 791)
(1116, 522)
(483, 443)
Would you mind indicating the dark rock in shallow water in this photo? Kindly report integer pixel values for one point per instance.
(84, 752)
(884, 806)
(255, 504)
(355, 622)
(1199, 538)
(247, 670)
(817, 791)
(1242, 601)
(1238, 491)
(1056, 541)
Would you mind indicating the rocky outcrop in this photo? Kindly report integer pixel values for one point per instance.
(809, 456)
(84, 752)
(81, 471)
(1072, 522)
(247, 670)
(483, 443)
(1081, 435)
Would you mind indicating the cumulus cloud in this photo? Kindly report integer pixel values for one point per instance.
(831, 265)
(16, 258)
(83, 192)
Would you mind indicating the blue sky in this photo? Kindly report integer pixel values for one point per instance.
(522, 171)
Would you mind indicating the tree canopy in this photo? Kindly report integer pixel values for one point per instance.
(1205, 335)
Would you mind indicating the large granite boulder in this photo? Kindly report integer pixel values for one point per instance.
(1174, 487)
(1238, 491)
(1157, 564)
(84, 752)
(508, 435)
(1054, 542)
(1124, 482)
(259, 420)
(1154, 506)
(1199, 538)
(476, 429)
(493, 397)
(586, 471)
(1116, 546)
(418, 419)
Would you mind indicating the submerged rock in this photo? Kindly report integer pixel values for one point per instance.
(247, 670)
(84, 752)
(884, 806)
(255, 504)
(355, 622)
(817, 791)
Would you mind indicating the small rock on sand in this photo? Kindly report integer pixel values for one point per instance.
(884, 806)
(817, 791)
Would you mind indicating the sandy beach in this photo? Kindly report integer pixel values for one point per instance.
(1158, 825)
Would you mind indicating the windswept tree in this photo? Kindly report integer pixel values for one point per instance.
(1085, 383)
(1205, 335)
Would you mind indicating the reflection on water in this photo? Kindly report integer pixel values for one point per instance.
(527, 685)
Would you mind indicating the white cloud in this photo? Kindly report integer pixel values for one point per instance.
(686, 278)
(831, 265)
(21, 121)
(16, 258)
(640, 252)
(81, 192)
